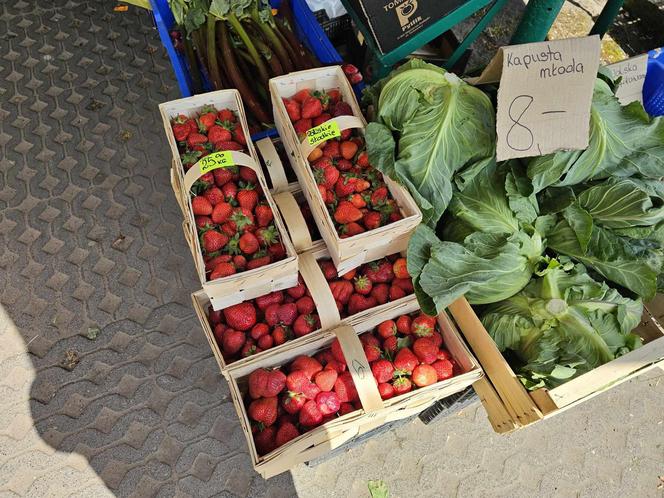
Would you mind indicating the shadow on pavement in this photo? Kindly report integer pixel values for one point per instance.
(95, 273)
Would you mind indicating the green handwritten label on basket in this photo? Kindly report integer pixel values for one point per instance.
(216, 160)
(323, 132)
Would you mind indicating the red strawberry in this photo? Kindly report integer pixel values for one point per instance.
(222, 212)
(325, 379)
(249, 348)
(425, 350)
(444, 369)
(347, 213)
(325, 173)
(264, 215)
(423, 325)
(218, 133)
(240, 262)
(238, 135)
(444, 354)
(372, 220)
(248, 243)
(275, 297)
(214, 316)
(328, 268)
(350, 274)
(424, 375)
(358, 303)
(265, 440)
(207, 117)
(404, 283)
(348, 149)
(298, 291)
(396, 293)
(386, 390)
(310, 415)
(276, 382)
(334, 95)
(379, 271)
(328, 402)
(305, 324)
(302, 126)
(271, 314)
(259, 330)
(213, 241)
(311, 107)
(403, 324)
(247, 198)
(345, 186)
(337, 352)
(363, 160)
(210, 263)
(378, 196)
(286, 433)
(218, 332)
(228, 145)
(342, 109)
(287, 313)
(436, 339)
(180, 128)
(361, 185)
(264, 410)
(222, 176)
(293, 402)
(390, 345)
(318, 120)
(195, 139)
(241, 316)
(305, 305)
(223, 270)
(226, 115)
(380, 293)
(405, 360)
(310, 366)
(387, 329)
(301, 95)
(401, 385)
(201, 206)
(293, 109)
(382, 370)
(265, 342)
(346, 408)
(203, 221)
(363, 285)
(336, 366)
(400, 268)
(267, 236)
(350, 229)
(233, 341)
(258, 262)
(341, 290)
(371, 352)
(249, 176)
(331, 149)
(230, 190)
(345, 388)
(230, 229)
(298, 382)
(279, 335)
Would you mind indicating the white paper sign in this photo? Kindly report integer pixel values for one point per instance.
(544, 95)
(633, 74)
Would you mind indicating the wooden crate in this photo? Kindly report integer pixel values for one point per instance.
(350, 252)
(325, 305)
(375, 412)
(224, 292)
(508, 404)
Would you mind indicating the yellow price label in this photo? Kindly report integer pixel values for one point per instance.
(323, 132)
(216, 160)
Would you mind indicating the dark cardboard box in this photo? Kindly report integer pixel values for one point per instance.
(393, 22)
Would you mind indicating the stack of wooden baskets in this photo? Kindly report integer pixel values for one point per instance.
(302, 255)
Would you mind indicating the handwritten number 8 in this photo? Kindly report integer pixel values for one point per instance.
(519, 134)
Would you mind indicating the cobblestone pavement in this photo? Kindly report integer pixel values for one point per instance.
(107, 383)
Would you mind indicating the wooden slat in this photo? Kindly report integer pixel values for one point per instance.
(500, 420)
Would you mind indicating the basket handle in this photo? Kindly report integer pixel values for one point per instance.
(320, 291)
(222, 159)
(359, 369)
(295, 222)
(331, 128)
(273, 164)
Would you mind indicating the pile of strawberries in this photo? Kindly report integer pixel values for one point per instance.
(407, 353)
(354, 192)
(234, 221)
(253, 326)
(286, 402)
(370, 285)
(404, 354)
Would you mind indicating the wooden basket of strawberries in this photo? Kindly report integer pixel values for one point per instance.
(237, 237)
(360, 214)
(303, 401)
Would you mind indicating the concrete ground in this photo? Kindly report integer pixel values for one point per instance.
(107, 384)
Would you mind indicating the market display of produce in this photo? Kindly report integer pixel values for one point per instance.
(234, 222)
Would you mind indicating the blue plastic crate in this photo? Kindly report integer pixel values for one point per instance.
(653, 87)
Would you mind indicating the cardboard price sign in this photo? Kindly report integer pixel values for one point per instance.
(633, 74)
(544, 95)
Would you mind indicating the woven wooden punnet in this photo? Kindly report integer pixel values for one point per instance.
(274, 167)
(248, 284)
(350, 252)
(325, 306)
(375, 412)
(507, 402)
